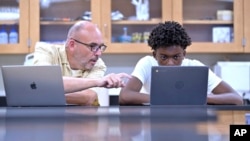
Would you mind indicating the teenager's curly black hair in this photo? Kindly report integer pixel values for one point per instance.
(168, 34)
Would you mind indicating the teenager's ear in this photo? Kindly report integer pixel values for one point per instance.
(154, 54)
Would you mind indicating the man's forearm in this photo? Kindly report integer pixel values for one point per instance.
(72, 84)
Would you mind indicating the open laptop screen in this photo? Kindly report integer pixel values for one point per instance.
(33, 85)
(179, 85)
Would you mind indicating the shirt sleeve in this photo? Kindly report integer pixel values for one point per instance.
(213, 79)
(142, 69)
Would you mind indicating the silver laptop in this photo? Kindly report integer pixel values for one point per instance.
(179, 85)
(33, 85)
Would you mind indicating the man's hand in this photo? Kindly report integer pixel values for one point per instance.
(114, 80)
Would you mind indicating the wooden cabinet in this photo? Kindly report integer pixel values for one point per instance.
(207, 22)
(11, 18)
(246, 4)
(51, 20)
(225, 118)
(126, 32)
(215, 26)
(45, 20)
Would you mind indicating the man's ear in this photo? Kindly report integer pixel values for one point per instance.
(154, 54)
(71, 44)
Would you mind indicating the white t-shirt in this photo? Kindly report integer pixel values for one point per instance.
(143, 72)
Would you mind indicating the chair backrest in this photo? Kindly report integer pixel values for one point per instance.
(29, 59)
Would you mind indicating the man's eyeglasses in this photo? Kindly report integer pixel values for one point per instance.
(92, 46)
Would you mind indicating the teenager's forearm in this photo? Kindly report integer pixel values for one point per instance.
(133, 98)
(228, 98)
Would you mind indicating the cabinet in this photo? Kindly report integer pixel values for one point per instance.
(15, 14)
(50, 20)
(112, 17)
(204, 18)
(45, 20)
(124, 30)
(207, 22)
(246, 26)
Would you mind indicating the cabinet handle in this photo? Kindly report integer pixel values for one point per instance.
(105, 31)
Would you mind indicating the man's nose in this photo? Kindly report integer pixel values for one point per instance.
(98, 52)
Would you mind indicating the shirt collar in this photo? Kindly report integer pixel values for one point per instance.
(65, 62)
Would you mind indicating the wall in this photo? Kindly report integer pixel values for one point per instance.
(124, 63)
(9, 60)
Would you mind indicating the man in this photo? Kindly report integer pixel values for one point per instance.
(169, 41)
(80, 62)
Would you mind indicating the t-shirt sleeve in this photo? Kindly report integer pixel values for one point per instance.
(213, 79)
(142, 69)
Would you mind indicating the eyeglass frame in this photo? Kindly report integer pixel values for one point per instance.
(94, 47)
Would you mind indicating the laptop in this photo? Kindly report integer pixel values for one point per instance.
(33, 85)
(179, 85)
